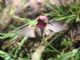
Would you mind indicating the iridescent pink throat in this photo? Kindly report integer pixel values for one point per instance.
(41, 24)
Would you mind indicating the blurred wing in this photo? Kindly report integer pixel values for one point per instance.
(55, 27)
(28, 31)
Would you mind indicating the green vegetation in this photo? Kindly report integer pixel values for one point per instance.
(15, 43)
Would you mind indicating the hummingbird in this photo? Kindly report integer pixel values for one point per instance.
(43, 27)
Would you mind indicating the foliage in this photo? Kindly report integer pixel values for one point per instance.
(68, 14)
(57, 46)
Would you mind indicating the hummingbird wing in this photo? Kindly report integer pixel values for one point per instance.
(55, 27)
(28, 31)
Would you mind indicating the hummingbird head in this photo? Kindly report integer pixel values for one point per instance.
(42, 21)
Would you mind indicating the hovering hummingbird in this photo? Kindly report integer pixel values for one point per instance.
(43, 27)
